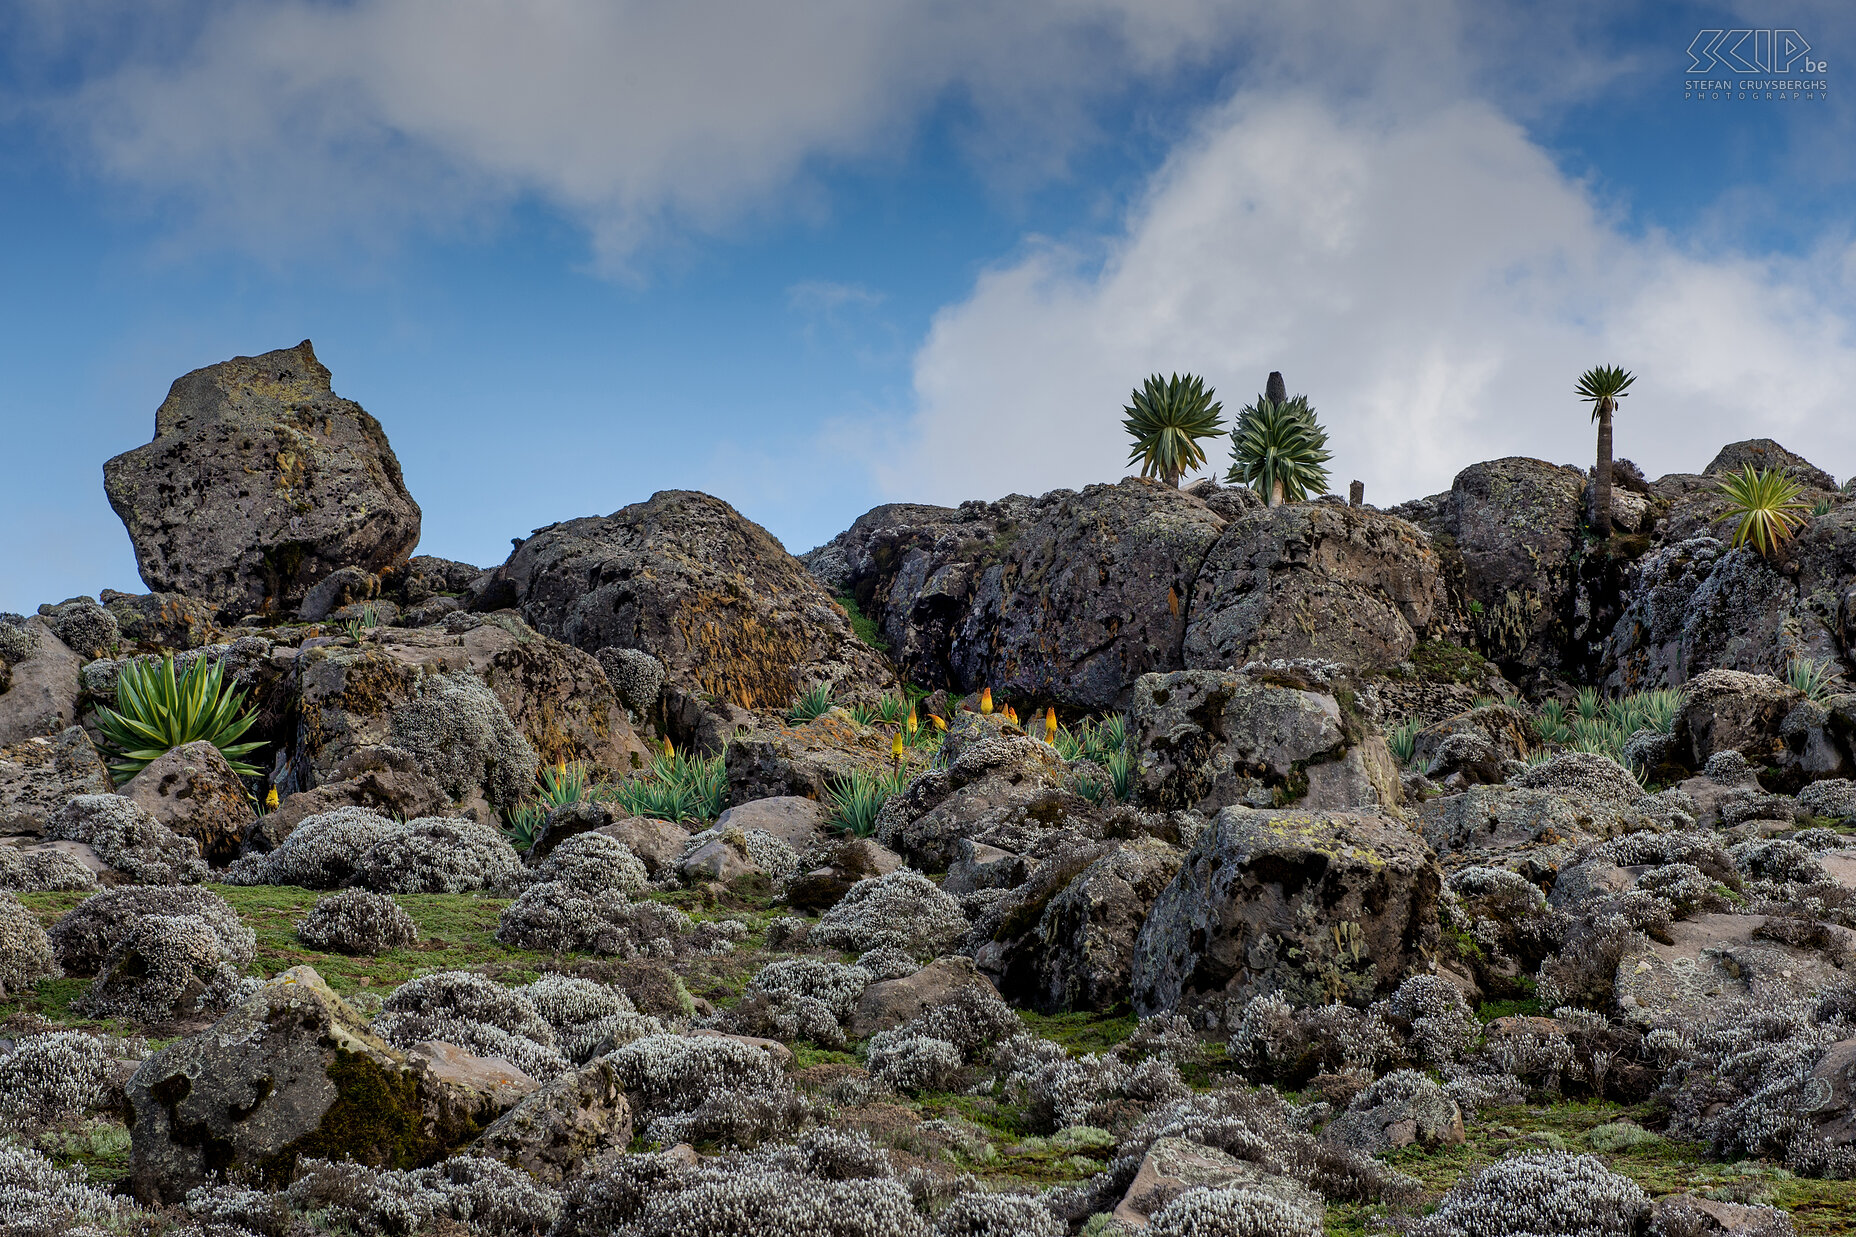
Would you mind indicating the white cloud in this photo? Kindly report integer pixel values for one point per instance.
(274, 125)
(1430, 278)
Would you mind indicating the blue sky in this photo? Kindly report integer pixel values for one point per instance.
(818, 258)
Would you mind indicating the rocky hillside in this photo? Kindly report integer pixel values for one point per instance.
(1131, 859)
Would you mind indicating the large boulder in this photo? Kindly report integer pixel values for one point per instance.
(193, 791)
(1513, 526)
(37, 776)
(1069, 597)
(1729, 709)
(1321, 906)
(1079, 955)
(1266, 736)
(1314, 580)
(38, 681)
(291, 1072)
(688, 579)
(260, 481)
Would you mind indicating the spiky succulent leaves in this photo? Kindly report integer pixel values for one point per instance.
(1166, 419)
(1765, 506)
(157, 711)
(1602, 386)
(1279, 449)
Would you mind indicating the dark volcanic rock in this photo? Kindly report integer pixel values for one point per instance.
(1514, 526)
(260, 481)
(1069, 597)
(1214, 738)
(1314, 580)
(1765, 453)
(686, 578)
(292, 1071)
(1321, 906)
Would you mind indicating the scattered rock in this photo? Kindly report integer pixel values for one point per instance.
(38, 775)
(193, 791)
(565, 1128)
(41, 691)
(889, 1003)
(1174, 1165)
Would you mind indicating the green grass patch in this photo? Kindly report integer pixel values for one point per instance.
(862, 625)
(1082, 1032)
(1439, 659)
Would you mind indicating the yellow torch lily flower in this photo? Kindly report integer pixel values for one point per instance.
(986, 700)
(1050, 726)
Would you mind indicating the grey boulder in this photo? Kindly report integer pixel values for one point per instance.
(260, 482)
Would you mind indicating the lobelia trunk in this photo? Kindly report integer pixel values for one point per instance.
(1601, 475)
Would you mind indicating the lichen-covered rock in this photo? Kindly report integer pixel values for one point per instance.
(151, 622)
(566, 1127)
(478, 708)
(193, 791)
(378, 777)
(259, 482)
(996, 778)
(1080, 953)
(1696, 605)
(1760, 453)
(1321, 906)
(1731, 709)
(1509, 532)
(1314, 580)
(39, 684)
(808, 760)
(37, 777)
(1069, 597)
(686, 578)
(291, 1073)
(1259, 737)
